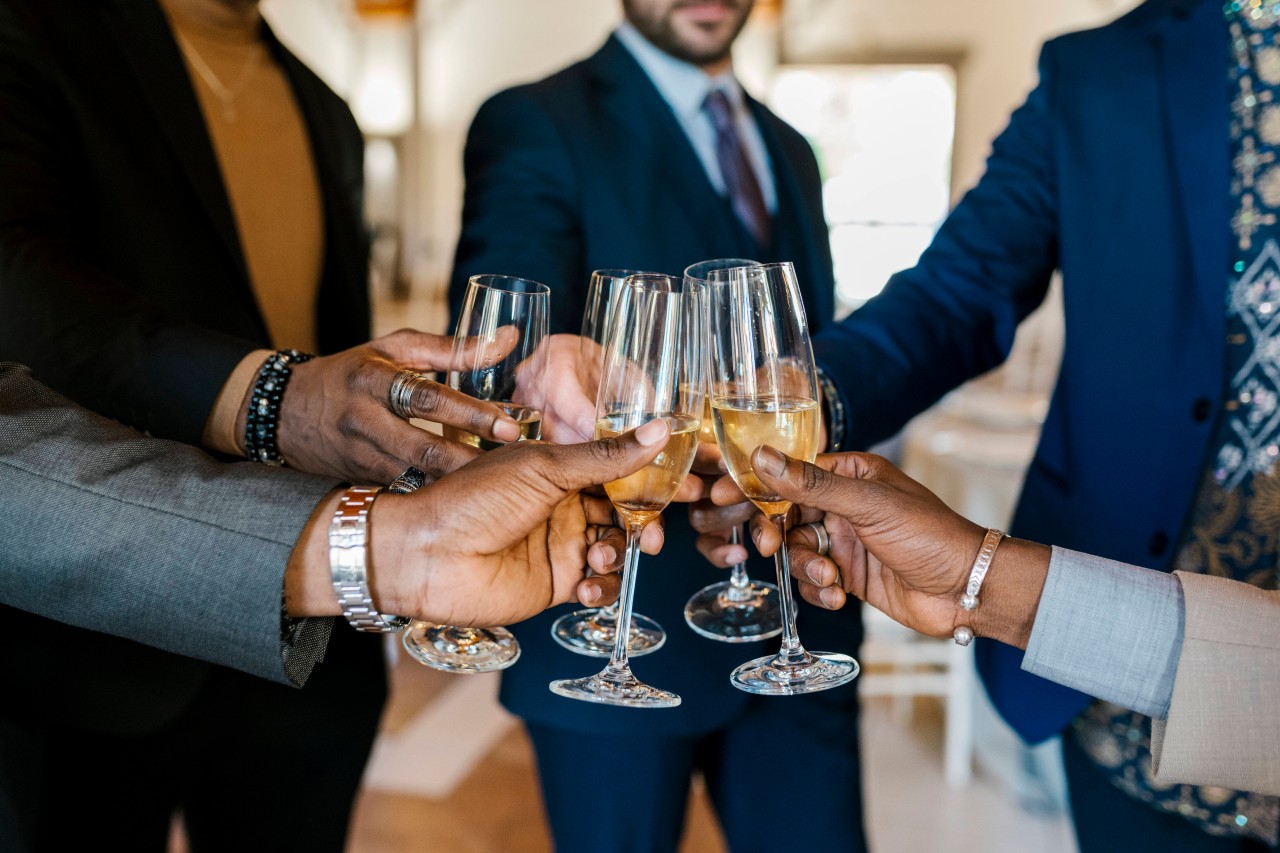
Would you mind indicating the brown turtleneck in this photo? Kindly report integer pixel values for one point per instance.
(264, 152)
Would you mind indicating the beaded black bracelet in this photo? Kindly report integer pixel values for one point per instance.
(835, 412)
(264, 406)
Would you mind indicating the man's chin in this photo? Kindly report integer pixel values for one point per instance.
(700, 48)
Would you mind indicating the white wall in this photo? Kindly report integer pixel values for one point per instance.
(998, 41)
(319, 32)
(471, 49)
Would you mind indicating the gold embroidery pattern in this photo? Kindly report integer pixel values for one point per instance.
(1234, 531)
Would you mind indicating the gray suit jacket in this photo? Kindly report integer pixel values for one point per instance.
(150, 540)
(1223, 726)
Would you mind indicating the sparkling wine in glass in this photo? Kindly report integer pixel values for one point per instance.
(527, 418)
(764, 390)
(740, 609)
(654, 367)
(591, 631)
(496, 346)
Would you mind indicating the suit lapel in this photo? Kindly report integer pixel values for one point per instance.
(654, 133)
(161, 76)
(1192, 45)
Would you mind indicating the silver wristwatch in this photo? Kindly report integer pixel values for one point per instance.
(348, 563)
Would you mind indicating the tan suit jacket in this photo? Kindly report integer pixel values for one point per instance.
(1223, 726)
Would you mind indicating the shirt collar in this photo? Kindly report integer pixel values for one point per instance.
(682, 85)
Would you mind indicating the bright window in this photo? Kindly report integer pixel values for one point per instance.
(883, 136)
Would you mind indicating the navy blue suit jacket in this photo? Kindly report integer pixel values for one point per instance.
(589, 169)
(1115, 172)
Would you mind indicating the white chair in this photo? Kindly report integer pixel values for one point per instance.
(903, 664)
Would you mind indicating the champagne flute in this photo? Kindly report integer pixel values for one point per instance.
(740, 609)
(764, 390)
(503, 321)
(590, 631)
(655, 367)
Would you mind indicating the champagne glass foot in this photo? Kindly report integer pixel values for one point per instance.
(791, 675)
(591, 632)
(734, 615)
(615, 687)
(465, 650)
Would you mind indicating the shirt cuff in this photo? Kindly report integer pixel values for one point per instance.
(302, 645)
(220, 428)
(1108, 629)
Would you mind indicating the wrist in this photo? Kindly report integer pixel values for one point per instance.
(1011, 592)
(394, 519)
(308, 590)
(225, 426)
(262, 415)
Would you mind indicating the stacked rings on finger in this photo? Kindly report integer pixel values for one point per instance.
(820, 533)
(400, 395)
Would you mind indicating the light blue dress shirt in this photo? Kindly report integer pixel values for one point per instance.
(1108, 629)
(685, 87)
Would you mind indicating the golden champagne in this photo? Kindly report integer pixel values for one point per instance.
(529, 420)
(790, 424)
(641, 496)
(707, 432)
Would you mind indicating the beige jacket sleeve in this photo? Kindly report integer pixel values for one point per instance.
(1223, 726)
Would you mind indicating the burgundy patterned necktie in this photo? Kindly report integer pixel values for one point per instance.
(739, 177)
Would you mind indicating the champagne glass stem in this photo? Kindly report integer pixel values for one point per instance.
(739, 582)
(619, 666)
(791, 650)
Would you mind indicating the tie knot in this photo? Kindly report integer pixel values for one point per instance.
(720, 110)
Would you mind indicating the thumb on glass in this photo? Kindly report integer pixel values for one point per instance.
(577, 466)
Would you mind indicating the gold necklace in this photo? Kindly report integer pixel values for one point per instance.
(225, 94)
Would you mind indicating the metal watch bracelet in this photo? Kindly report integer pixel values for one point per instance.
(349, 561)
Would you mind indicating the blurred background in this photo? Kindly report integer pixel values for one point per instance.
(901, 102)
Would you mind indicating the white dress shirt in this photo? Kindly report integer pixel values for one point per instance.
(685, 87)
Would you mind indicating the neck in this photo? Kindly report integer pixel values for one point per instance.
(229, 20)
(715, 69)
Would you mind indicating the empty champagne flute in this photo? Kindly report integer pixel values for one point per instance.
(740, 609)
(654, 367)
(496, 344)
(590, 631)
(764, 390)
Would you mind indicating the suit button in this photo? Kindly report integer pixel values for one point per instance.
(1200, 410)
(1159, 542)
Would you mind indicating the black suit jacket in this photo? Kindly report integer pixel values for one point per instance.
(590, 169)
(124, 287)
(122, 280)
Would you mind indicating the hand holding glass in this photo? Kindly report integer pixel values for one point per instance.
(654, 367)
(496, 344)
(591, 631)
(764, 390)
(740, 609)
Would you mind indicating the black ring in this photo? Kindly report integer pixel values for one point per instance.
(410, 481)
